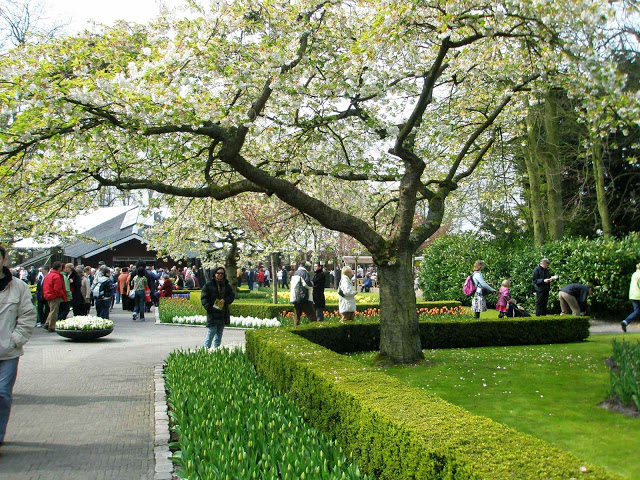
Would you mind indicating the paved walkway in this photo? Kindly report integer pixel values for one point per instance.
(86, 410)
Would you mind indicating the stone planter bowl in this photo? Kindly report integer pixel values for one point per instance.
(84, 334)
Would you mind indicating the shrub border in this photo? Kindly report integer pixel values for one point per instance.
(396, 431)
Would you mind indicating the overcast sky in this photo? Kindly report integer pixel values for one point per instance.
(80, 12)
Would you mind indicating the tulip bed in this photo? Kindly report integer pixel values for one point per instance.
(231, 423)
(172, 310)
(625, 379)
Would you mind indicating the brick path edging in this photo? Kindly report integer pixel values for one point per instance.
(163, 464)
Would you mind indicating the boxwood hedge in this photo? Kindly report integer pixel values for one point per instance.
(395, 431)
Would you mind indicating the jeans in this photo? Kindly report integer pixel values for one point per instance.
(8, 373)
(635, 315)
(102, 307)
(138, 305)
(214, 333)
(117, 296)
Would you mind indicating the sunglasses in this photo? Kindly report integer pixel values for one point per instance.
(219, 273)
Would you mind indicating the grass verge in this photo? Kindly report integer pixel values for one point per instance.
(549, 391)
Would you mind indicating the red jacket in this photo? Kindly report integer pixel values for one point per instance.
(53, 286)
(166, 290)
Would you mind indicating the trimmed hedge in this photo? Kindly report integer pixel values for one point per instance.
(395, 431)
(364, 337)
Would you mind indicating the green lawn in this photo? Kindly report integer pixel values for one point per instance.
(549, 391)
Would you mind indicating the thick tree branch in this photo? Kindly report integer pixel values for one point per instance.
(209, 191)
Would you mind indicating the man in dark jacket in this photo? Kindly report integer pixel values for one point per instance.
(573, 298)
(542, 284)
(319, 282)
(216, 297)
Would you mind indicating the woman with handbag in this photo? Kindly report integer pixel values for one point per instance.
(140, 285)
(347, 293)
(216, 297)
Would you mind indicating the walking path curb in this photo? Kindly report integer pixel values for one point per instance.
(162, 454)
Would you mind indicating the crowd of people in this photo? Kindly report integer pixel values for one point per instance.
(63, 288)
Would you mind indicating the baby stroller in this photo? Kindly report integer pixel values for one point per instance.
(516, 310)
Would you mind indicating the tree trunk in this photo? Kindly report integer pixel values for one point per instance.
(601, 194)
(399, 331)
(553, 168)
(534, 172)
(231, 265)
(274, 278)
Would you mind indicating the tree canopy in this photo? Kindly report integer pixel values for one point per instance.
(315, 102)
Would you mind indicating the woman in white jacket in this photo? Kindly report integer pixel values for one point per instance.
(347, 301)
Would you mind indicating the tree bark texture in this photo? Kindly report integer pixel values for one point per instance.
(534, 172)
(399, 331)
(597, 154)
(231, 265)
(553, 168)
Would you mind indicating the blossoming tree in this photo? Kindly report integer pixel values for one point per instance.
(315, 102)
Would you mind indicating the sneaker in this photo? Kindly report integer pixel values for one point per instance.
(38, 325)
(624, 326)
(135, 317)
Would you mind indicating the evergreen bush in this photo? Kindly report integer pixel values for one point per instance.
(606, 264)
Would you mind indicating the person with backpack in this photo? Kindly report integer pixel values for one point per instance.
(101, 290)
(479, 302)
(299, 295)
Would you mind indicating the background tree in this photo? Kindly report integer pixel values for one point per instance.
(310, 102)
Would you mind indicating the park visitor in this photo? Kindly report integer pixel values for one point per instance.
(504, 298)
(347, 294)
(102, 291)
(367, 283)
(299, 294)
(55, 293)
(217, 295)
(17, 320)
(573, 298)
(479, 302)
(140, 283)
(319, 282)
(634, 296)
(541, 280)
(42, 306)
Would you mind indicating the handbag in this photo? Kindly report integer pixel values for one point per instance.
(340, 292)
(132, 294)
(147, 294)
